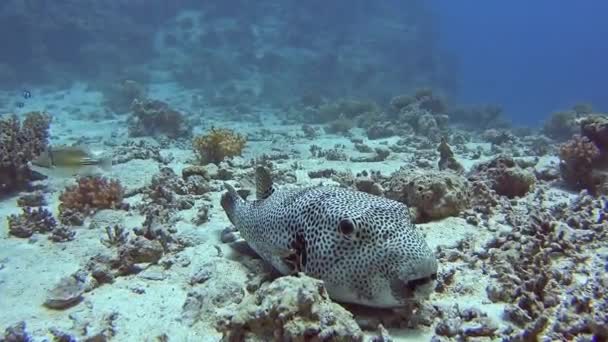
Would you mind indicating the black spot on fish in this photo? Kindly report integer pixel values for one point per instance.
(26, 94)
(20, 104)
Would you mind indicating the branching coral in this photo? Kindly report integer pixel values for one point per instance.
(218, 144)
(577, 157)
(19, 144)
(90, 194)
(31, 221)
(153, 117)
(169, 193)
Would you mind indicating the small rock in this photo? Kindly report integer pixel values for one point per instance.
(66, 294)
(198, 170)
(448, 327)
(229, 235)
(153, 275)
(483, 327)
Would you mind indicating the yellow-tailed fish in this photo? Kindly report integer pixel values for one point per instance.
(73, 158)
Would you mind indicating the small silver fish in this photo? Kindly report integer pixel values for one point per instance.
(365, 248)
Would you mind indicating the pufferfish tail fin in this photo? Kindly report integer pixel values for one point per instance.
(230, 202)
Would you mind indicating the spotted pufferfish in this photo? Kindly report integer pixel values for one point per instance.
(365, 248)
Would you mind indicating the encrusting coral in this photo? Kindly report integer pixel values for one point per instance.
(218, 144)
(154, 117)
(89, 194)
(21, 142)
(504, 176)
(433, 195)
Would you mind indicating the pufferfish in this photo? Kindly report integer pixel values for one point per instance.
(365, 248)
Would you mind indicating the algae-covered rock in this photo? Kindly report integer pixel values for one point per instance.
(292, 308)
(503, 175)
(433, 195)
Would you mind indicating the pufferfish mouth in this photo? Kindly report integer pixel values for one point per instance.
(407, 289)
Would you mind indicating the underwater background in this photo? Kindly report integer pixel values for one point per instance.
(126, 124)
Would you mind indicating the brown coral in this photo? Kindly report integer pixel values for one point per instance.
(595, 127)
(154, 117)
(90, 194)
(504, 176)
(19, 144)
(577, 158)
(218, 144)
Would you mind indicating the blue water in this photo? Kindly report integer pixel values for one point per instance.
(532, 57)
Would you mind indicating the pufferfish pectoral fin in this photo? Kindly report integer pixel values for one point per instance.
(286, 261)
(230, 200)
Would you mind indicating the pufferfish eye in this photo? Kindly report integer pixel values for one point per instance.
(346, 227)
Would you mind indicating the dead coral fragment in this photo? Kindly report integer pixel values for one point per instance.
(446, 158)
(90, 194)
(153, 117)
(19, 144)
(292, 308)
(30, 221)
(218, 144)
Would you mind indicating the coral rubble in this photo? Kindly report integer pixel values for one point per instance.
(291, 308)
